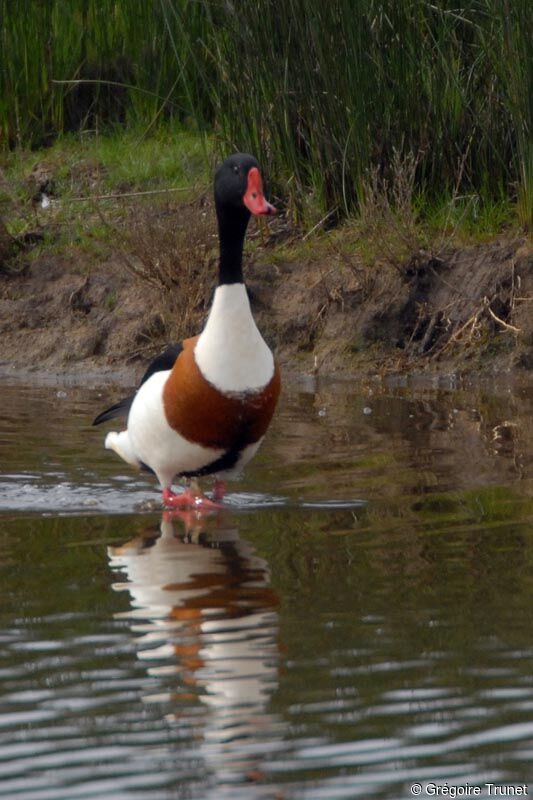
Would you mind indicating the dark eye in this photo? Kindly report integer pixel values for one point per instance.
(236, 170)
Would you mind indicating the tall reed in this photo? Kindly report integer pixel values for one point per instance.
(324, 92)
(86, 64)
(327, 91)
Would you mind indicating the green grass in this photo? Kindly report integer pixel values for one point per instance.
(470, 219)
(127, 159)
(120, 163)
(166, 159)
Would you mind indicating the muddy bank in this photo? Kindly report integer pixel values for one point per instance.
(465, 311)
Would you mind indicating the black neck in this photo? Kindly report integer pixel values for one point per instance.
(232, 224)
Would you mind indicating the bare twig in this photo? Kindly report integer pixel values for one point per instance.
(472, 322)
(498, 319)
(129, 194)
(319, 223)
(429, 332)
(321, 278)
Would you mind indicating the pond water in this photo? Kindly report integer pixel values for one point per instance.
(359, 618)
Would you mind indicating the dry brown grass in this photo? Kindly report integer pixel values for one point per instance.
(174, 250)
(388, 222)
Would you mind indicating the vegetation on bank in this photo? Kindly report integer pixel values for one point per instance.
(105, 261)
(100, 193)
(337, 99)
(79, 190)
(391, 134)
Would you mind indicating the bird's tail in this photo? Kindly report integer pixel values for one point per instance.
(121, 444)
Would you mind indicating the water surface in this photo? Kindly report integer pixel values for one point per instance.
(359, 617)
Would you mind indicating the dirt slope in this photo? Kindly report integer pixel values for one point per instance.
(467, 310)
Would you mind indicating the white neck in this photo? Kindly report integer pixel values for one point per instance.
(231, 353)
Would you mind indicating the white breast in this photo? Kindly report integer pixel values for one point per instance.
(155, 442)
(231, 353)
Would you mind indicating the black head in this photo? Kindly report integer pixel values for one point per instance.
(238, 184)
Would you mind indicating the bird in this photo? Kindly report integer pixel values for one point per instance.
(204, 405)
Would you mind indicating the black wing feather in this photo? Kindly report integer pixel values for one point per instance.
(164, 361)
(117, 410)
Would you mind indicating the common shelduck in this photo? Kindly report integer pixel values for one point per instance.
(203, 406)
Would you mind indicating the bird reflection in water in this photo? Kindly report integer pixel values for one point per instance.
(204, 615)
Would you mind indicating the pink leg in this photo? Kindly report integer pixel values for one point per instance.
(189, 517)
(190, 498)
(219, 491)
